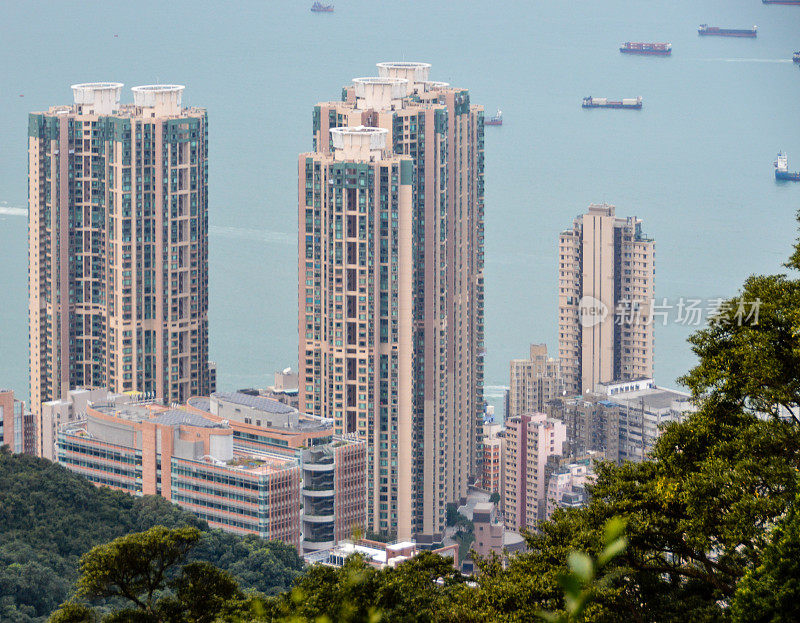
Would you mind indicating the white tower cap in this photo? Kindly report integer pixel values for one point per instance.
(358, 143)
(97, 98)
(380, 93)
(163, 99)
(415, 73)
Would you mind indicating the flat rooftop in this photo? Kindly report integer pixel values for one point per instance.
(261, 403)
(656, 399)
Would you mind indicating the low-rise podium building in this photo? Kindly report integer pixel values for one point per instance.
(287, 478)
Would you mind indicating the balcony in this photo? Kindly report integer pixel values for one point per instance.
(311, 545)
(318, 491)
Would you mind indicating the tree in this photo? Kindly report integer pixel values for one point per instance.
(494, 498)
(749, 359)
(770, 592)
(582, 580)
(72, 612)
(420, 589)
(50, 517)
(145, 571)
(136, 567)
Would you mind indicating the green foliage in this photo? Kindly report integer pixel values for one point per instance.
(73, 612)
(770, 592)
(753, 366)
(420, 589)
(494, 498)
(50, 517)
(142, 570)
(136, 566)
(581, 581)
(381, 537)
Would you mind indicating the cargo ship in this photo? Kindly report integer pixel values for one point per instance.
(495, 120)
(603, 102)
(318, 7)
(705, 29)
(649, 49)
(789, 2)
(796, 57)
(782, 171)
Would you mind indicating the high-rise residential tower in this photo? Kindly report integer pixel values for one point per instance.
(533, 382)
(419, 405)
(606, 281)
(118, 248)
(530, 441)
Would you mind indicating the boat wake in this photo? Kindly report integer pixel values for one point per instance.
(745, 60)
(12, 211)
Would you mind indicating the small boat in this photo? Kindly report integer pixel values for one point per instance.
(318, 7)
(796, 57)
(495, 120)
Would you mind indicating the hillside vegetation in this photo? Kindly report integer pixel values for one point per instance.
(50, 517)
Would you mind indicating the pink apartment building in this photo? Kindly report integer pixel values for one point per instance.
(530, 440)
(118, 246)
(391, 288)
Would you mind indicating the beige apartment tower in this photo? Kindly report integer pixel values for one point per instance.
(410, 238)
(534, 382)
(118, 245)
(606, 287)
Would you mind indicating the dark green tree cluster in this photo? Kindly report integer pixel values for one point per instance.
(50, 517)
(148, 575)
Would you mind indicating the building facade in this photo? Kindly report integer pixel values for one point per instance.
(489, 530)
(243, 463)
(530, 442)
(375, 553)
(621, 420)
(606, 287)
(566, 484)
(17, 427)
(396, 233)
(533, 382)
(118, 248)
(493, 467)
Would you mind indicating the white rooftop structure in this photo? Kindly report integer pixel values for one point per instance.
(358, 143)
(414, 73)
(163, 99)
(381, 93)
(97, 98)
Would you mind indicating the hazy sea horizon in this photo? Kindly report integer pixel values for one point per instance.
(695, 164)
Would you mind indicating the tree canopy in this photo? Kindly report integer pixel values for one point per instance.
(50, 517)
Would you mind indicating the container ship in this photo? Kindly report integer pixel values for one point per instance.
(318, 7)
(495, 120)
(602, 102)
(782, 171)
(648, 49)
(705, 29)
